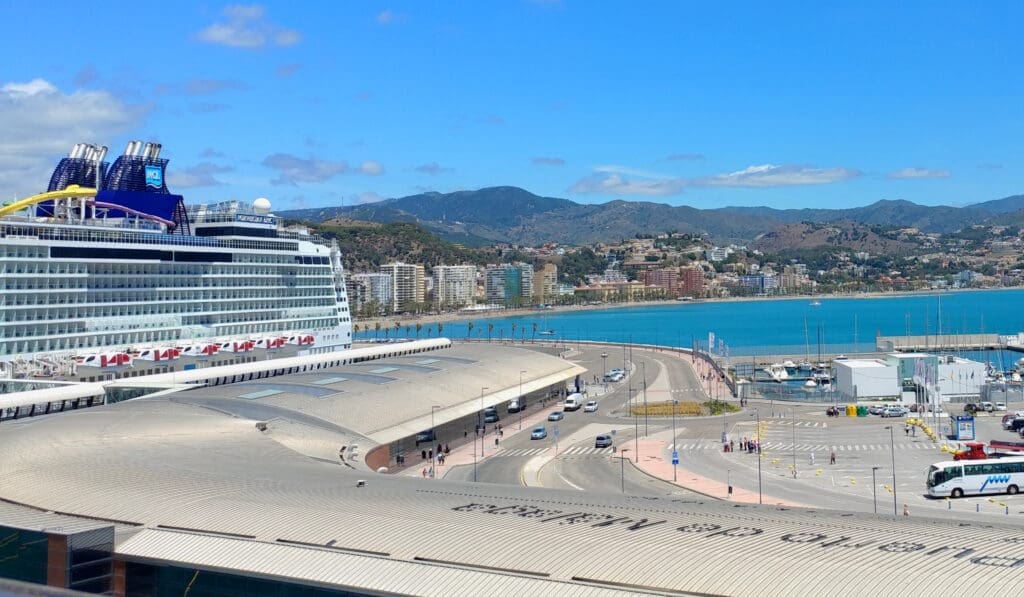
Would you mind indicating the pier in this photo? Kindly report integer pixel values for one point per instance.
(937, 342)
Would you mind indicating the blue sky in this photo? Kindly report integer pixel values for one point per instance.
(713, 104)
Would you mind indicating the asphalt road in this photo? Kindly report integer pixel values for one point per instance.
(860, 445)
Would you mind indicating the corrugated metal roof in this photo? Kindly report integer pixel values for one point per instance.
(338, 569)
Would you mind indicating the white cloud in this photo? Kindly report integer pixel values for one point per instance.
(371, 167)
(367, 197)
(200, 175)
(769, 175)
(40, 123)
(433, 169)
(918, 173)
(615, 184)
(246, 26)
(621, 180)
(293, 170)
(386, 17)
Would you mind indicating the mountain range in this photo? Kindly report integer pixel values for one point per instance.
(514, 215)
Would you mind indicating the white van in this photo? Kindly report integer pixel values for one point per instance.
(516, 404)
(573, 402)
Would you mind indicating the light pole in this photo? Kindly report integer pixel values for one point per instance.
(874, 488)
(622, 468)
(433, 407)
(636, 429)
(892, 449)
(643, 366)
(675, 446)
(481, 434)
(757, 413)
(521, 403)
(793, 423)
(604, 370)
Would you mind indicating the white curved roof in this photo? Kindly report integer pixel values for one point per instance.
(187, 476)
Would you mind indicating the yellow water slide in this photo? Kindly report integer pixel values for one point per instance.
(68, 193)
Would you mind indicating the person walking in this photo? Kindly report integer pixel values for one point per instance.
(832, 457)
(812, 458)
(906, 510)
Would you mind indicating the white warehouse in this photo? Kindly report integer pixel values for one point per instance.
(858, 379)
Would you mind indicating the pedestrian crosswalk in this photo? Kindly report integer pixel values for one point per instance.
(784, 447)
(793, 423)
(572, 450)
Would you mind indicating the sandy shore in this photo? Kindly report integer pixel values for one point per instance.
(464, 316)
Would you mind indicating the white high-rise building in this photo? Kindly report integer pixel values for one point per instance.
(454, 285)
(377, 287)
(408, 284)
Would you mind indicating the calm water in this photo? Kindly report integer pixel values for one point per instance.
(838, 325)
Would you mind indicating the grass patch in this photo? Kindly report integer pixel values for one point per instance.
(683, 409)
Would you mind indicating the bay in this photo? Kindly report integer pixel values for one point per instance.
(766, 326)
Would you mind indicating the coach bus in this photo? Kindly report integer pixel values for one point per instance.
(975, 477)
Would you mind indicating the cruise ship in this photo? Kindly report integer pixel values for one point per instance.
(108, 274)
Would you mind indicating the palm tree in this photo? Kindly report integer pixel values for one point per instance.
(386, 331)
(430, 330)
(513, 331)
(490, 328)
(398, 326)
(440, 328)
(355, 328)
(408, 330)
(419, 326)
(469, 330)
(376, 328)
(534, 339)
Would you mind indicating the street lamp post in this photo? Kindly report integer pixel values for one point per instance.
(521, 403)
(643, 366)
(636, 429)
(675, 443)
(622, 468)
(757, 413)
(793, 424)
(874, 488)
(604, 370)
(481, 434)
(892, 449)
(433, 407)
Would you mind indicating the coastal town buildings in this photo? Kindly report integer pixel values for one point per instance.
(545, 283)
(454, 285)
(370, 289)
(509, 283)
(408, 284)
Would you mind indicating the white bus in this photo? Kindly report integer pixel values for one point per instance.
(977, 477)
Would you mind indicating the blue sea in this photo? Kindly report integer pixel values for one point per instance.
(765, 326)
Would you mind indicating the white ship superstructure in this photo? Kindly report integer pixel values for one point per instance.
(129, 270)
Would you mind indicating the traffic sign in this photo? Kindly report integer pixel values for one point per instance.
(675, 457)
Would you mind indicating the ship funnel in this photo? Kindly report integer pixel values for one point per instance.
(101, 153)
(136, 146)
(156, 150)
(128, 148)
(146, 150)
(90, 153)
(74, 150)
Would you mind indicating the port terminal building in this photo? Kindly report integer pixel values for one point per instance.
(238, 488)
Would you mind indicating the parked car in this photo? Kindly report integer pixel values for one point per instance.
(603, 441)
(1008, 420)
(425, 436)
(971, 408)
(987, 406)
(876, 409)
(556, 416)
(491, 417)
(590, 407)
(893, 411)
(1017, 424)
(538, 433)
(1000, 406)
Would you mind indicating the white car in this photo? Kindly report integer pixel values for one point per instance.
(1000, 406)
(590, 407)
